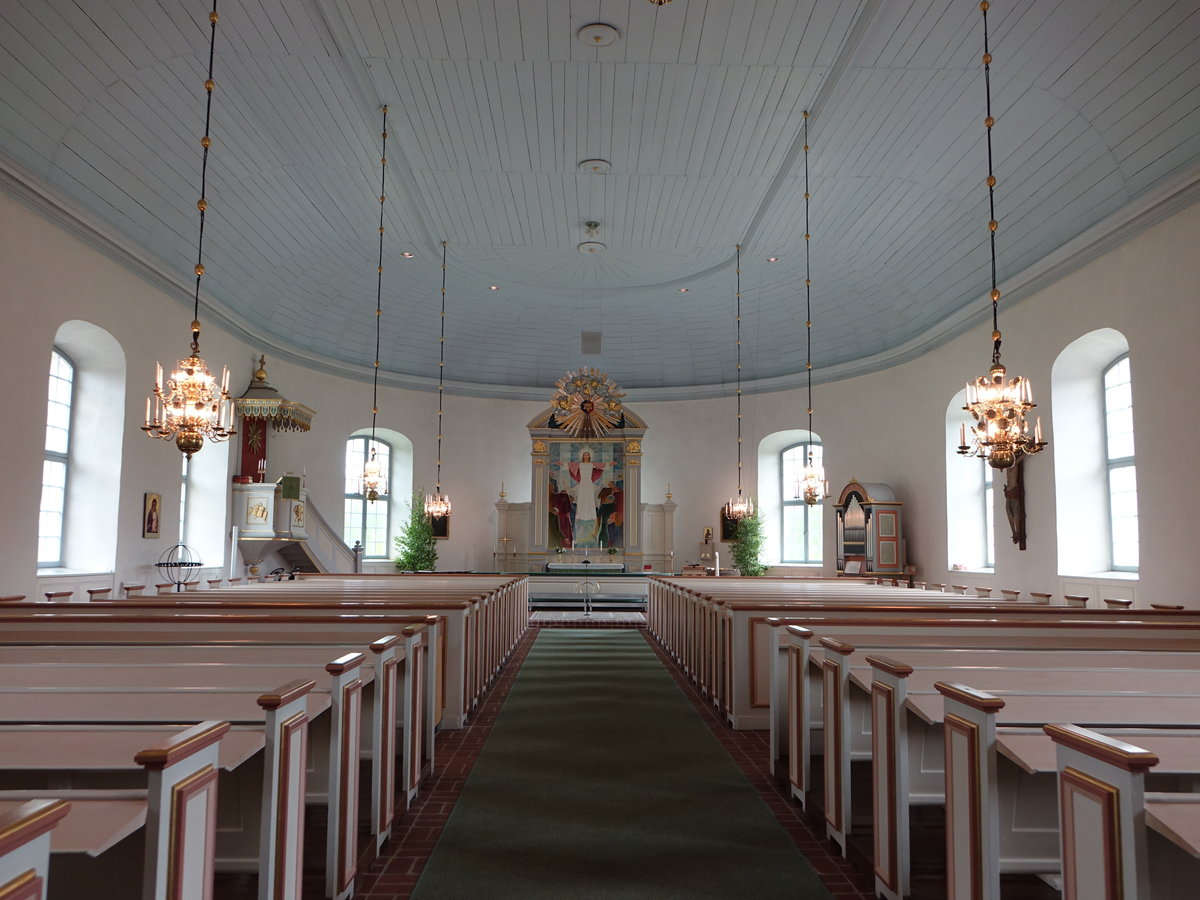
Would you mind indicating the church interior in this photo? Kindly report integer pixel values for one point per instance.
(808, 367)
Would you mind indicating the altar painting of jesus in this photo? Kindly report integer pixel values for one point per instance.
(586, 490)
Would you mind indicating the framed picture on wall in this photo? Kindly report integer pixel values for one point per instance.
(441, 527)
(151, 513)
(728, 526)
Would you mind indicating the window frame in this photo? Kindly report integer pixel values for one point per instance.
(185, 484)
(58, 456)
(1121, 462)
(988, 497)
(386, 499)
(786, 501)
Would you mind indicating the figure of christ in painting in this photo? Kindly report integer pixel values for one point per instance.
(586, 475)
(561, 534)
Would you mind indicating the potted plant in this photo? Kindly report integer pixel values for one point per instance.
(416, 547)
(747, 545)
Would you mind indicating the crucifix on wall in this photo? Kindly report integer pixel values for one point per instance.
(1014, 501)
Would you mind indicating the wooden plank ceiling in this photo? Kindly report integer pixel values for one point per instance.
(697, 106)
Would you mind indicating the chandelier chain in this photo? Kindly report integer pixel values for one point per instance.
(441, 372)
(205, 143)
(189, 405)
(379, 274)
(807, 282)
(999, 405)
(738, 297)
(991, 184)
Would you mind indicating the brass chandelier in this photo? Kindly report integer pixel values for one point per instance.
(437, 504)
(741, 507)
(1000, 431)
(813, 486)
(190, 406)
(374, 476)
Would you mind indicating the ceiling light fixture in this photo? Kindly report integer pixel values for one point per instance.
(683, 290)
(407, 254)
(813, 486)
(437, 504)
(598, 34)
(776, 258)
(191, 405)
(595, 166)
(741, 507)
(374, 477)
(494, 287)
(1000, 431)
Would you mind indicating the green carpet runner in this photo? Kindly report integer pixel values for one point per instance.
(599, 780)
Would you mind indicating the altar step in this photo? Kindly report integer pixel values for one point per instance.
(570, 602)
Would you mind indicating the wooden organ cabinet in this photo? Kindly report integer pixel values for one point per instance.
(870, 534)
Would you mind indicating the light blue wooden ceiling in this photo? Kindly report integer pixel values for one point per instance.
(698, 107)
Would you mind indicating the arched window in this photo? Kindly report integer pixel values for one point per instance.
(1094, 473)
(82, 467)
(1122, 473)
(970, 501)
(793, 531)
(800, 534)
(56, 460)
(367, 522)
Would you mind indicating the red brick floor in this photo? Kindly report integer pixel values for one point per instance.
(394, 875)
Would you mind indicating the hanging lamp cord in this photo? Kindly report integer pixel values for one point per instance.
(807, 288)
(379, 277)
(988, 122)
(738, 297)
(202, 203)
(441, 372)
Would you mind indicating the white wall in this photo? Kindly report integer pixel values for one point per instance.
(888, 427)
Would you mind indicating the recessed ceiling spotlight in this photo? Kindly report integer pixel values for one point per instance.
(494, 287)
(595, 166)
(772, 259)
(597, 35)
(683, 290)
(407, 255)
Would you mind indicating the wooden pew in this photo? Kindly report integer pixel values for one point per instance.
(719, 635)
(177, 803)
(271, 812)
(885, 738)
(980, 845)
(1118, 835)
(416, 698)
(486, 626)
(25, 835)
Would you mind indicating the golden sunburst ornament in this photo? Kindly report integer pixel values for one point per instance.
(587, 403)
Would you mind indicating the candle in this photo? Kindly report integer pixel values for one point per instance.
(962, 435)
(1037, 430)
(147, 410)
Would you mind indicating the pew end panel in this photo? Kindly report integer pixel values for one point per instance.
(1101, 796)
(285, 769)
(181, 815)
(25, 835)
